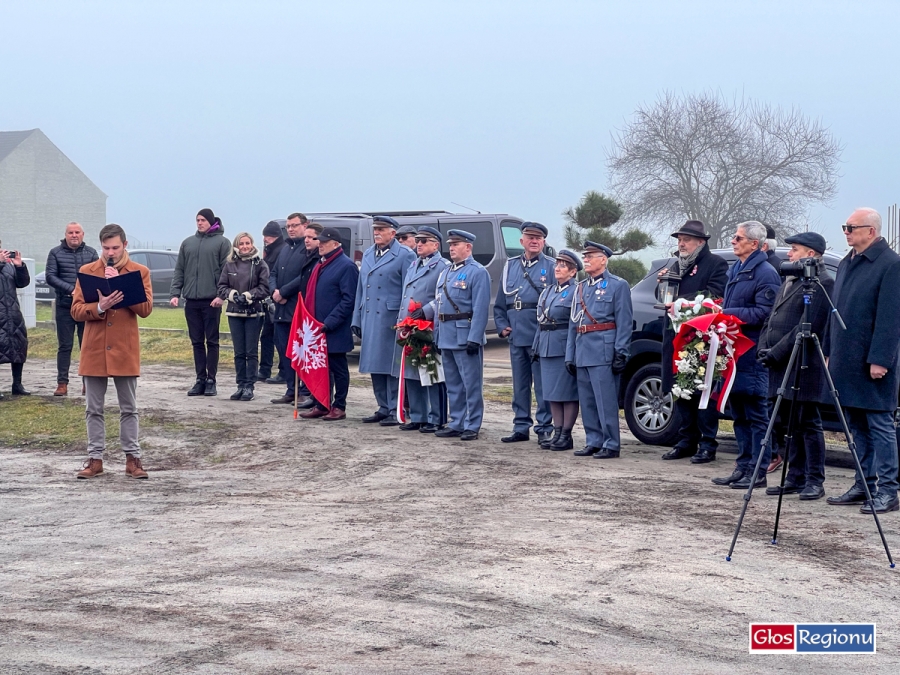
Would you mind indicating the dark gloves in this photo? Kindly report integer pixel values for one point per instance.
(417, 314)
(571, 369)
(765, 358)
(325, 328)
(619, 363)
(357, 331)
(534, 357)
(472, 348)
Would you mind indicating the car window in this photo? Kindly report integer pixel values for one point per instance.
(346, 239)
(161, 261)
(139, 258)
(483, 249)
(512, 236)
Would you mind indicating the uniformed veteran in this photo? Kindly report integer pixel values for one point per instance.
(597, 349)
(460, 314)
(427, 402)
(560, 387)
(515, 316)
(378, 294)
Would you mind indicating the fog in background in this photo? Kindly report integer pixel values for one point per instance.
(257, 109)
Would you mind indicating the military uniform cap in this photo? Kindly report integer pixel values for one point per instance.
(812, 240)
(570, 257)
(406, 229)
(381, 221)
(456, 236)
(428, 232)
(594, 247)
(533, 228)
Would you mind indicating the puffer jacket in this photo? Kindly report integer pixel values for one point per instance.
(13, 336)
(63, 264)
(201, 258)
(248, 278)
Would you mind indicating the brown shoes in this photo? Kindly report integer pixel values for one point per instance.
(62, 389)
(92, 468)
(133, 468)
(313, 413)
(335, 415)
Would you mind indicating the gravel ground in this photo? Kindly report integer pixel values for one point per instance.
(261, 544)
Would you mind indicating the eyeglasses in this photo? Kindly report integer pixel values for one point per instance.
(562, 263)
(404, 237)
(591, 256)
(737, 238)
(849, 228)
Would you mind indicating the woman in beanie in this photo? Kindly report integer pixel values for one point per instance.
(244, 284)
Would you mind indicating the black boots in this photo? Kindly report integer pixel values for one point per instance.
(547, 442)
(563, 441)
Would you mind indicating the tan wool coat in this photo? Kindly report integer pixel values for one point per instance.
(111, 345)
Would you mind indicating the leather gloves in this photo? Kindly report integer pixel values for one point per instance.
(571, 369)
(619, 363)
(534, 357)
(472, 348)
(765, 358)
(357, 331)
(324, 328)
(417, 314)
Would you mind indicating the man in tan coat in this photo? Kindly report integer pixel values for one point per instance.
(111, 348)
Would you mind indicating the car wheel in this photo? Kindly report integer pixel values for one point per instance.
(651, 416)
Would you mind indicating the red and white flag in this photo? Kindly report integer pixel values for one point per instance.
(309, 353)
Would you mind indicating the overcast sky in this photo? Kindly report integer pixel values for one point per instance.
(256, 109)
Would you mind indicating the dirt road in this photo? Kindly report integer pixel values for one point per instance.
(261, 544)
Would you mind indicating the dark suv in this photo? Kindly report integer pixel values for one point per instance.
(651, 417)
(160, 263)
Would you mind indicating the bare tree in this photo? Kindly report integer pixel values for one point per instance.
(700, 157)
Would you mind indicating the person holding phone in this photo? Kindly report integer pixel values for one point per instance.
(13, 336)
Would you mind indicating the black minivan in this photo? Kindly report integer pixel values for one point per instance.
(650, 415)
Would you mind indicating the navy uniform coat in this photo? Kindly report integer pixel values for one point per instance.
(708, 276)
(335, 297)
(611, 303)
(420, 285)
(867, 294)
(779, 333)
(378, 295)
(554, 309)
(469, 287)
(750, 295)
(515, 285)
(285, 277)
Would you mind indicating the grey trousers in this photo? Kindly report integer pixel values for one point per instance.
(95, 393)
(385, 388)
(597, 388)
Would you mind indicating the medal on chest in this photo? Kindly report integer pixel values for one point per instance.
(602, 290)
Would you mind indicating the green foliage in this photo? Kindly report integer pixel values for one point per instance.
(594, 218)
(630, 269)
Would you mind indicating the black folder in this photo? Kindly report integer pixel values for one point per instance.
(131, 285)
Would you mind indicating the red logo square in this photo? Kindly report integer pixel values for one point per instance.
(766, 637)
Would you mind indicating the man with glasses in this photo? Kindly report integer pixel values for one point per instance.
(406, 235)
(863, 358)
(749, 295)
(597, 350)
(515, 316)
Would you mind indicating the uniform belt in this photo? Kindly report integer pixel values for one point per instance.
(455, 317)
(519, 305)
(592, 327)
(555, 326)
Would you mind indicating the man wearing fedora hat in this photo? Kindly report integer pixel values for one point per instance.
(700, 271)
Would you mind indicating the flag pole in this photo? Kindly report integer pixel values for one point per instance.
(295, 392)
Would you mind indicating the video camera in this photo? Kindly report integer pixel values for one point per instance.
(807, 268)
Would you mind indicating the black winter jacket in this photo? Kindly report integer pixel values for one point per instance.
(13, 336)
(63, 264)
(247, 278)
(284, 276)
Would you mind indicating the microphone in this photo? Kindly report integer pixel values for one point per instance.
(110, 262)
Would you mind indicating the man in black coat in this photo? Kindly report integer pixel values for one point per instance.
(284, 281)
(701, 271)
(806, 453)
(63, 264)
(274, 241)
(863, 358)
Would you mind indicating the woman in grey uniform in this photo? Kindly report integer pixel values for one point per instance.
(560, 387)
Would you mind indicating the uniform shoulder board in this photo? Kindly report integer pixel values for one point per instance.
(616, 278)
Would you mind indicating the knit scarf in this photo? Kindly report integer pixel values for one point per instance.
(124, 261)
(237, 255)
(687, 262)
(310, 297)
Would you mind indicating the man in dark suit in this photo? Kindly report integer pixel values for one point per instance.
(330, 296)
(701, 271)
(863, 358)
(806, 452)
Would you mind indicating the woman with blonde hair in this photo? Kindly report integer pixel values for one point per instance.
(244, 284)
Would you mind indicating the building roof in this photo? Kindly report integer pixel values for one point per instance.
(10, 140)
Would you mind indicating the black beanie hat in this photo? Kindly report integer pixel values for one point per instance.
(272, 229)
(209, 215)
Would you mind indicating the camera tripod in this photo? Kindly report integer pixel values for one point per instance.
(797, 362)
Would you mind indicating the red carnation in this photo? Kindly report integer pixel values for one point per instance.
(413, 305)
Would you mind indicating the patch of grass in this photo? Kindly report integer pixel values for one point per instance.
(160, 317)
(54, 424)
